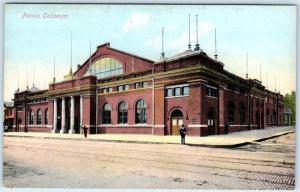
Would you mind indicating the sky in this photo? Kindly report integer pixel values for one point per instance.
(32, 38)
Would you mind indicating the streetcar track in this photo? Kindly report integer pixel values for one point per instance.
(96, 157)
(143, 159)
(194, 154)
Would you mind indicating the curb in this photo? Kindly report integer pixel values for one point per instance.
(153, 142)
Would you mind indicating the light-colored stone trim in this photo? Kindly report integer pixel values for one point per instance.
(125, 125)
(196, 126)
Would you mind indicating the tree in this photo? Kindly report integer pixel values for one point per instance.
(290, 102)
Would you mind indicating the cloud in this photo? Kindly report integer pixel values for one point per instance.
(136, 21)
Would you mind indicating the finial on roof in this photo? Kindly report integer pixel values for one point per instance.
(189, 45)
(197, 46)
(246, 65)
(216, 53)
(162, 44)
(54, 70)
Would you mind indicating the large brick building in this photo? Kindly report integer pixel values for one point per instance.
(117, 92)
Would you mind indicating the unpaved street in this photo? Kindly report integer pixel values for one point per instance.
(87, 164)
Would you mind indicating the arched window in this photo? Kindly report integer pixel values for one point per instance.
(242, 113)
(274, 117)
(141, 111)
(31, 117)
(122, 112)
(39, 117)
(231, 112)
(46, 117)
(105, 67)
(106, 114)
(268, 116)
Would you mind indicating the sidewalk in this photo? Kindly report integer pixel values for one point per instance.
(231, 140)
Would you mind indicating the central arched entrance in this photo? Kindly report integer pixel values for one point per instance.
(176, 121)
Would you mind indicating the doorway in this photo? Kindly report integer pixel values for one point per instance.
(211, 122)
(176, 121)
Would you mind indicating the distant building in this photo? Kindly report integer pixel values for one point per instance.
(287, 116)
(8, 116)
(118, 92)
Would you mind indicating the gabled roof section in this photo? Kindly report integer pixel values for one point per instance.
(180, 55)
(33, 89)
(106, 46)
(128, 53)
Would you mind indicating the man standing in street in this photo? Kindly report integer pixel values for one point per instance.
(182, 132)
(84, 128)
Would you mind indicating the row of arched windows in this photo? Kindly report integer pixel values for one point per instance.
(140, 112)
(38, 117)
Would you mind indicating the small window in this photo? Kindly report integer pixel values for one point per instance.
(19, 108)
(169, 92)
(138, 85)
(177, 91)
(212, 92)
(145, 84)
(242, 90)
(186, 90)
(105, 90)
(120, 88)
(126, 87)
(110, 89)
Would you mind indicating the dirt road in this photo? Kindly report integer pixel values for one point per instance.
(87, 164)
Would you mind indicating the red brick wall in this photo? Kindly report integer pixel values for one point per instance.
(50, 113)
(84, 81)
(236, 99)
(38, 128)
(160, 111)
(130, 97)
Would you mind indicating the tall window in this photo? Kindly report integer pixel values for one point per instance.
(274, 117)
(231, 112)
(122, 112)
(141, 111)
(46, 116)
(39, 117)
(242, 113)
(31, 117)
(105, 67)
(106, 114)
